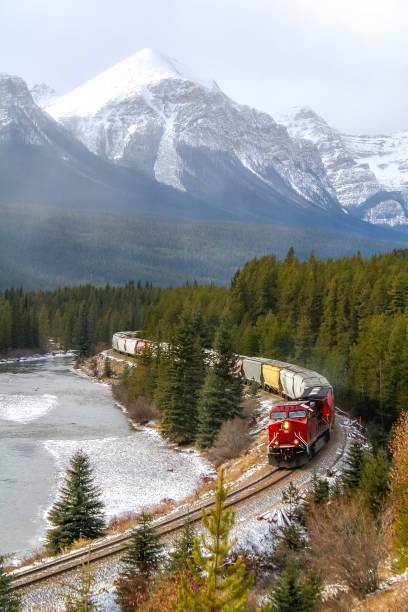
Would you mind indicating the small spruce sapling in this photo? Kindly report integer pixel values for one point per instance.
(79, 512)
(220, 587)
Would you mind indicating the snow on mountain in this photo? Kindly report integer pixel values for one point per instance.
(43, 94)
(367, 173)
(152, 113)
(19, 114)
(123, 81)
(352, 182)
(386, 155)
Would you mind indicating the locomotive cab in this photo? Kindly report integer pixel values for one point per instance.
(294, 431)
(288, 433)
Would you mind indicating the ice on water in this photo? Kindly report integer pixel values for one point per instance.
(25, 408)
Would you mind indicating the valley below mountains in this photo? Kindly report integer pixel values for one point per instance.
(150, 172)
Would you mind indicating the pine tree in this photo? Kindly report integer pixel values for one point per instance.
(78, 512)
(222, 587)
(221, 396)
(290, 593)
(178, 394)
(293, 499)
(140, 561)
(320, 489)
(9, 602)
(144, 551)
(352, 473)
(183, 549)
(83, 338)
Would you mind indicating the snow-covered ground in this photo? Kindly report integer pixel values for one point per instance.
(127, 480)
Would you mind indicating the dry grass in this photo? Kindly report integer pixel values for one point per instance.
(394, 599)
(76, 544)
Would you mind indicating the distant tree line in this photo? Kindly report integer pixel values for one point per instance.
(77, 318)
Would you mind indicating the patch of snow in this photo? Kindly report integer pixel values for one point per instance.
(133, 472)
(25, 408)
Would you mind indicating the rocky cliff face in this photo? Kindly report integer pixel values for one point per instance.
(369, 174)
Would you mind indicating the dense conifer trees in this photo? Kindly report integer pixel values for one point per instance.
(78, 512)
(291, 593)
(184, 375)
(221, 396)
(347, 318)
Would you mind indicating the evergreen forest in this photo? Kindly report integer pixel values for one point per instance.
(346, 318)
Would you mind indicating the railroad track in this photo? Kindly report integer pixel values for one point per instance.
(116, 544)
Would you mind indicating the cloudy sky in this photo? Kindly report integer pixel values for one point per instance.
(347, 59)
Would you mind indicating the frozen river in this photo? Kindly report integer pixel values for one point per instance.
(47, 412)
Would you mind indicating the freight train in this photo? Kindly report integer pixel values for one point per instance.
(297, 427)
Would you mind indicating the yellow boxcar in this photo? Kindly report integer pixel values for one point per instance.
(271, 376)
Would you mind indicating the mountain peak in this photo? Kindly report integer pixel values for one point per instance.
(124, 80)
(13, 90)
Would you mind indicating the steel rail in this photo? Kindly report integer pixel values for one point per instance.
(117, 544)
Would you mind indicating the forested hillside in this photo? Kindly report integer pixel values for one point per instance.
(345, 318)
(44, 247)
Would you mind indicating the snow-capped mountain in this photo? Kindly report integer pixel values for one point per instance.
(151, 113)
(40, 161)
(369, 174)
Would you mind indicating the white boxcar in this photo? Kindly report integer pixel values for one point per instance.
(252, 368)
(130, 345)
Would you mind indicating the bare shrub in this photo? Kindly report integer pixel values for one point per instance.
(119, 393)
(233, 438)
(141, 411)
(101, 346)
(347, 544)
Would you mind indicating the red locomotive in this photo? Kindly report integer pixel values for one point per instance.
(297, 429)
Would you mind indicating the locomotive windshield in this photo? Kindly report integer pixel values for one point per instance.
(278, 415)
(297, 414)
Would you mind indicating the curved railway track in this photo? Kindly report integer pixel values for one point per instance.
(116, 544)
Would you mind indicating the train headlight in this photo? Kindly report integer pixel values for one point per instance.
(276, 443)
(286, 425)
(296, 441)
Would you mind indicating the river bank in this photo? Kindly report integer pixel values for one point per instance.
(47, 412)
